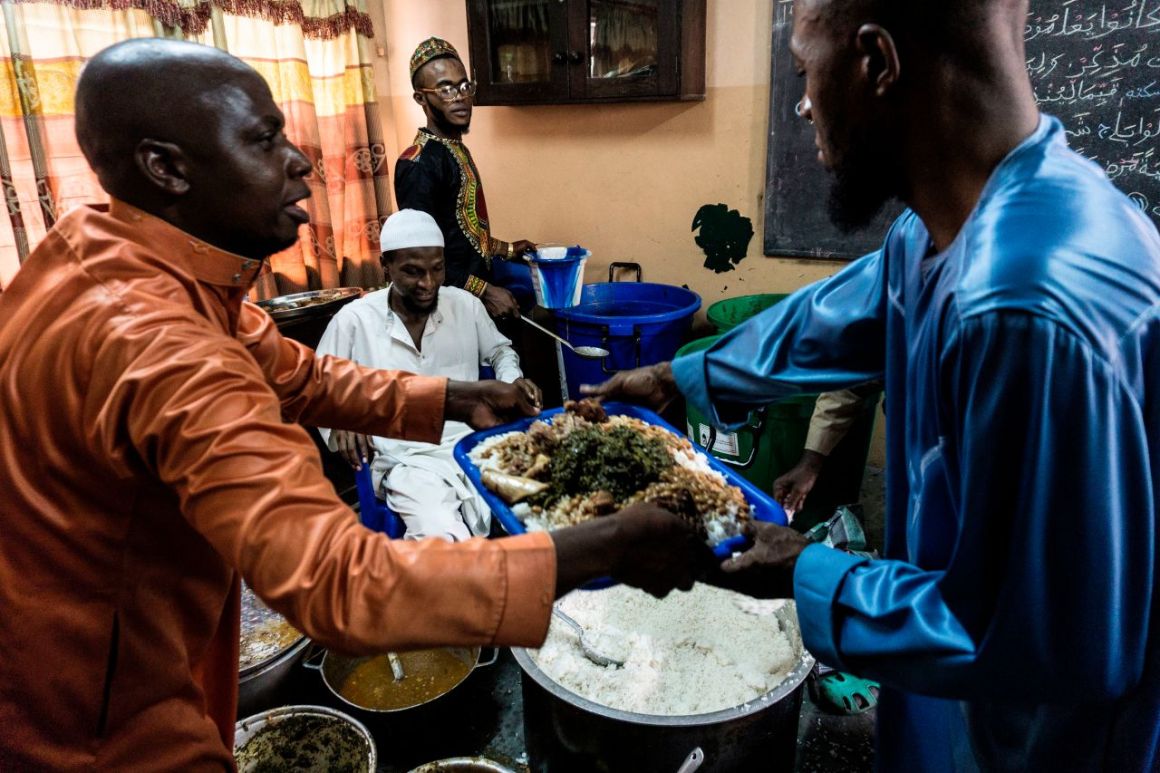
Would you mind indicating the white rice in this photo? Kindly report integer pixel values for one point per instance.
(690, 653)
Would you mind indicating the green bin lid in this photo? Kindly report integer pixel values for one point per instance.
(731, 312)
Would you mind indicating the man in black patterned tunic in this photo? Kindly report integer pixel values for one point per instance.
(437, 175)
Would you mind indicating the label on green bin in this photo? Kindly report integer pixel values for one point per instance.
(725, 443)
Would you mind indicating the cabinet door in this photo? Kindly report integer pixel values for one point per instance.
(623, 48)
(518, 50)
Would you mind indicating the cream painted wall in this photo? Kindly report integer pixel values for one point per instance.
(624, 180)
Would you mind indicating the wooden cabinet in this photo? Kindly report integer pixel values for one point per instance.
(527, 52)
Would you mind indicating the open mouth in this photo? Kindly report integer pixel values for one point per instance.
(297, 213)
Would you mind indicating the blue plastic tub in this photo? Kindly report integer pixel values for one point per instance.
(639, 323)
(765, 508)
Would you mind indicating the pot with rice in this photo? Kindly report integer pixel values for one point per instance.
(710, 669)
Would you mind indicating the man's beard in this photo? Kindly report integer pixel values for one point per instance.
(412, 307)
(446, 127)
(864, 181)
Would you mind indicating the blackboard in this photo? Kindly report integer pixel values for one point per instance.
(1094, 65)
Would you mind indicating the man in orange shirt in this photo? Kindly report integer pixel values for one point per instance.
(149, 455)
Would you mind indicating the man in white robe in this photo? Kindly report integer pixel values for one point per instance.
(418, 325)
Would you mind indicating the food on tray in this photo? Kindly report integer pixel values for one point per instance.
(689, 653)
(512, 488)
(583, 464)
(322, 296)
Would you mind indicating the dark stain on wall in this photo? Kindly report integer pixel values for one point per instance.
(724, 237)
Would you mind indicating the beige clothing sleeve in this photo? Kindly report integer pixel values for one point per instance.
(834, 414)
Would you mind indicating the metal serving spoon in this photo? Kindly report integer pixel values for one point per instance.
(589, 352)
(591, 654)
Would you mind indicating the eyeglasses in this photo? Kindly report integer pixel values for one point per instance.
(449, 93)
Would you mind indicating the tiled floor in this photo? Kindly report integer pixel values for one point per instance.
(837, 744)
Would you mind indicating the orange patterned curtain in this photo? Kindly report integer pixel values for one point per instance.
(314, 54)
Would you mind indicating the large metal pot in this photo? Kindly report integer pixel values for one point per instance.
(566, 732)
(260, 682)
(303, 738)
(462, 765)
(260, 686)
(337, 668)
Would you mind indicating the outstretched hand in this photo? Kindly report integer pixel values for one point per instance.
(652, 386)
(765, 571)
(791, 489)
(485, 404)
(643, 545)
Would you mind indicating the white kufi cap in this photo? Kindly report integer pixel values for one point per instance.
(410, 228)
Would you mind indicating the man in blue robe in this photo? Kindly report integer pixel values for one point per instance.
(1013, 313)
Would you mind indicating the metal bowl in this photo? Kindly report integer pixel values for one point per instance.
(337, 668)
(303, 738)
(309, 304)
(462, 765)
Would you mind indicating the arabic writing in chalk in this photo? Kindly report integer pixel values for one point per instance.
(1096, 66)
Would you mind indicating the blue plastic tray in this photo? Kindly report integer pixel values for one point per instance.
(764, 506)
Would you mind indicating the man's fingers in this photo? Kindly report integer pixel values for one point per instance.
(532, 392)
(737, 563)
(344, 441)
(593, 390)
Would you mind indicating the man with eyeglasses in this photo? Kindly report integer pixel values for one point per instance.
(437, 175)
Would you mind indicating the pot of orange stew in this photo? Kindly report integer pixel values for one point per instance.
(368, 683)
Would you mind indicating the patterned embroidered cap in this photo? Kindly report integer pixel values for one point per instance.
(431, 48)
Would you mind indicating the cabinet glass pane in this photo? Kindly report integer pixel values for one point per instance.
(622, 38)
(520, 41)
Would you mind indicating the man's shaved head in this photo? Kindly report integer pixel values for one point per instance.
(879, 74)
(949, 26)
(147, 88)
(192, 135)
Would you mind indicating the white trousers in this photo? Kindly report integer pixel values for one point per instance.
(431, 506)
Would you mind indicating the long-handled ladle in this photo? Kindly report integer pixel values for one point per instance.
(589, 352)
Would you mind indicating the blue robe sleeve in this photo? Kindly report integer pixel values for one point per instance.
(1039, 495)
(829, 335)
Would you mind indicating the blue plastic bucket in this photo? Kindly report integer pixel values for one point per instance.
(558, 275)
(639, 323)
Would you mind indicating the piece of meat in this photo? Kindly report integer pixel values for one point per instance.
(679, 501)
(544, 436)
(588, 409)
(602, 503)
(539, 466)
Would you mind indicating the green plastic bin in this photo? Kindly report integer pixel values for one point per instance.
(731, 312)
(771, 443)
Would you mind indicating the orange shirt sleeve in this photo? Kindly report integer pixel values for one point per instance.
(202, 414)
(333, 392)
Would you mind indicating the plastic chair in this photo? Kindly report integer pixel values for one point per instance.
(373, 512)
